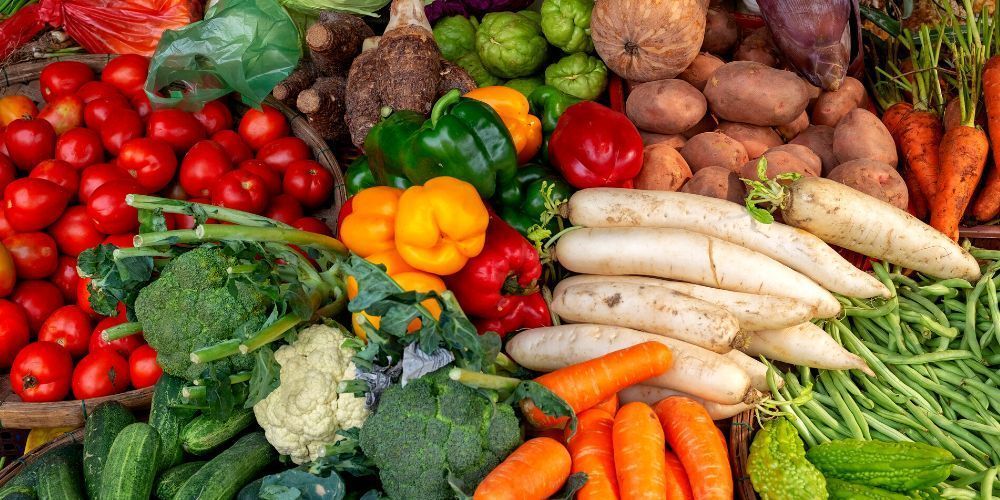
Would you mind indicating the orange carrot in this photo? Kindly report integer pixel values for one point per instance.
(586, 384)
(987, 207)
(692, 434)
(640, 464)
(893, 117)
(920, 135)
(556, 434)
(678, 485)
(918, 200)
(536, 470)
(609, 405)
(593, 454)
(963, 155)
(987, 204)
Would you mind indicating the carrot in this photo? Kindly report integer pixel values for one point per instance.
(692, 434)
(556, 434)
(893, 117)
(609, 405)
(640, 463)
(536, 470)
(678, 485)
(918, 200)
(920, 134)
(987, 204)
(963, 158)
(593, 454)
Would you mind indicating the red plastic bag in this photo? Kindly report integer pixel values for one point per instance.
(19, 29)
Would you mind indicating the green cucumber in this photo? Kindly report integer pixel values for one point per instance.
(103, 425)
(61, 478)
(223, 476)
(20, 492)
(251, 491)
(167, 420)
(131, 465)
(29, 474)
(170, 482)
(203, 434)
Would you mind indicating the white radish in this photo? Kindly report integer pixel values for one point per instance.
(755, 369)
(805, 345)
(687, 256)
(648, 308)
(752, 311)
(793, 247)
(650, 394)
(695, 370)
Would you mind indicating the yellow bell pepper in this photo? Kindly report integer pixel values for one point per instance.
(441, 225)
(513, 108)
(371, 226)
(38, 437)
(408, 278)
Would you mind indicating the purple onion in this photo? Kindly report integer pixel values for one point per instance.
(444, 8)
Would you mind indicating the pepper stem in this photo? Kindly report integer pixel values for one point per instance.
(443, 104)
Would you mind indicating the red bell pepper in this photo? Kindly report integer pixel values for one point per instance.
(498, 289)
(594, 146)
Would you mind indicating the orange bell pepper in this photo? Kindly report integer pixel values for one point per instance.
(371, 226)
(441, 225)
(514, 110)
(408, 278)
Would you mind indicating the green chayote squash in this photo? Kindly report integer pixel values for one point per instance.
(578, 75)
(778, 467)
(566, 24)
(455, 36)
(471, 64)
(510, 44)
(526, 85)
(531, 14)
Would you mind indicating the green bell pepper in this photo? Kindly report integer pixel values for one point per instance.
(358, 177)
(388, 145)
(548, 104)
(520, 200)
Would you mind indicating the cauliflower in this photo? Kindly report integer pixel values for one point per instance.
(305, 412)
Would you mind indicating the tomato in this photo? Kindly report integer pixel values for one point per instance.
(80, 147)
(83, 297)
(92, 91)
(96, 112)
(257, 128)
(8, 273)
(64, 113)
(186, 221)
(108, 208)
(150, 161)
(35, 254)
(123, 346)
(75, 231)
(63, 77)
(66, 277)
(101, 373)
(32, 204)
(16, 106)
(284, 208)
(125, 126)
(5, 229)
(124, 240)
(278, 154)
(8, 172)
(98, 175)
(29, 142)
(241, 190)
(309, 182)
(143, 368)
(202, 167)
(178, 128)
(14, 334)
(37, 299)
(214, 116)
(140, 102)
(68, 326)
(313, 225)
(233, 144)
(41, 372)
(127, 73)
(59, 173)
(272, 180)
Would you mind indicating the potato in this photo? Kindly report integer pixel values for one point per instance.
(755, 139)
(676, 141)
(663, 169)
(716, 182)
(665, 106)
(873, 178)
(748, 92)
(721, 32)
(778, 162)
(758, 47)
(830, 107)
(700, 70)
(791, 129)
(714, 149)
(803, 153)
(860, 134)
(707, 124)
(819, 139)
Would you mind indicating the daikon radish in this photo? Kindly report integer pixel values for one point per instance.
(793, 247)
(648, 308)
(695, 370)
(687, 256)
(650, 394)
(755, 369)
(752, 311)
(805, 345)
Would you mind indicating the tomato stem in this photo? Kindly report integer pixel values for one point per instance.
(121, 331)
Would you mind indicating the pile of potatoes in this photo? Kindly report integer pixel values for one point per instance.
(707, 128)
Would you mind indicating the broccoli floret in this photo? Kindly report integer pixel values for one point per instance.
(434, 427)
(192, 305)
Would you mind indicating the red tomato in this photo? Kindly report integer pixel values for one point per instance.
(35, 254)
(125, 126)
(313, 225)
(123, 346)
(100, 373)
(32, 204)
(8, 273)
(41, 373)
(150, 161)
(284, 208)
(98, 175)
(142, 105)
(60, 173)
(64, 113)
(240, 190)
(66, 277)
(14, 334)
(29, 142)
(271, 178)
(80, 147)
(124, 240)
(83, 297)
(278, 154)
(178, 128)
(257, 128)
(75, 231)
(186, 221)
(108, 208)
(214, 116)
(174, 191)
(96, 112)
(92, 91)
(37, 299)
(202, 167)
(143, 368)
(237, 149)
(68, 326)
(127, 73)
(5, 229)
(63, 77)
(309, 182)
(8, 172)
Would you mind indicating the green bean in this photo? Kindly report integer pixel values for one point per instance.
(948, 442)
(860, 310)
(878, 425)
(982, 254)
(880, 369)
(806, 374)
(930, 385)
(928, 323)
(959, 432)
(937, 290)
(991, 291)
(929, 306)
(919, 389)
(905, 281)
(852, 404)
(972, 303)
(806, 421)
(793, 384)
(993, 359)
(841, 405)
(844, 382)
(784, 405)
(955, 305)
(920, 359)
(911, 339)
(978, 427)
(986, 487)
(902, 419)
(882, 398)
(992, 392)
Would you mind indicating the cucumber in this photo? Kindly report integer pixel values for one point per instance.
(203, 434)
(171, 481)
(223, 476)
(131, 465)
(167, 420)
(103, 425)
(29, 474)
(251, 491)
(61, 478)
(21, 492)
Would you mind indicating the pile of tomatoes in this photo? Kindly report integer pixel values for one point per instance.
(64, 173)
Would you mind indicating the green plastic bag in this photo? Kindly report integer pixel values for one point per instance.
(243, 46)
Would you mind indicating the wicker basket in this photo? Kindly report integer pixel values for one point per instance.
(14, 467)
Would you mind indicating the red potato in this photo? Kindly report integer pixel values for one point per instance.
(700, 70)
(832, 106)
(778, 162)
(706, 124)
(676, 141)
(749, 92)
(789, 130)
(875, 179)
(758, 47)
(721, 32)
(861, 134)
(665, 106)
(663, 169)
(716, 182)
(755, 139)
(819, 139)
(714, 149)
(803, 153)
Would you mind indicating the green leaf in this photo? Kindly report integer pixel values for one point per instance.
(573, 484)
(300, 484)
(546, 401)
(265, 376)
(345, 456)
(152, 221)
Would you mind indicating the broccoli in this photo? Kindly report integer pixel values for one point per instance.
(435, 429)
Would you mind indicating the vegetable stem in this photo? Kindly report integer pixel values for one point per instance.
(483, 380)
(121, 331)
(183, 207)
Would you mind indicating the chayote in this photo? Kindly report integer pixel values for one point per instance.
(578, 75)
(510, 45)
(455, 36)
(566, 24)
(474, 67)
(531, 14)
(526, 85)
